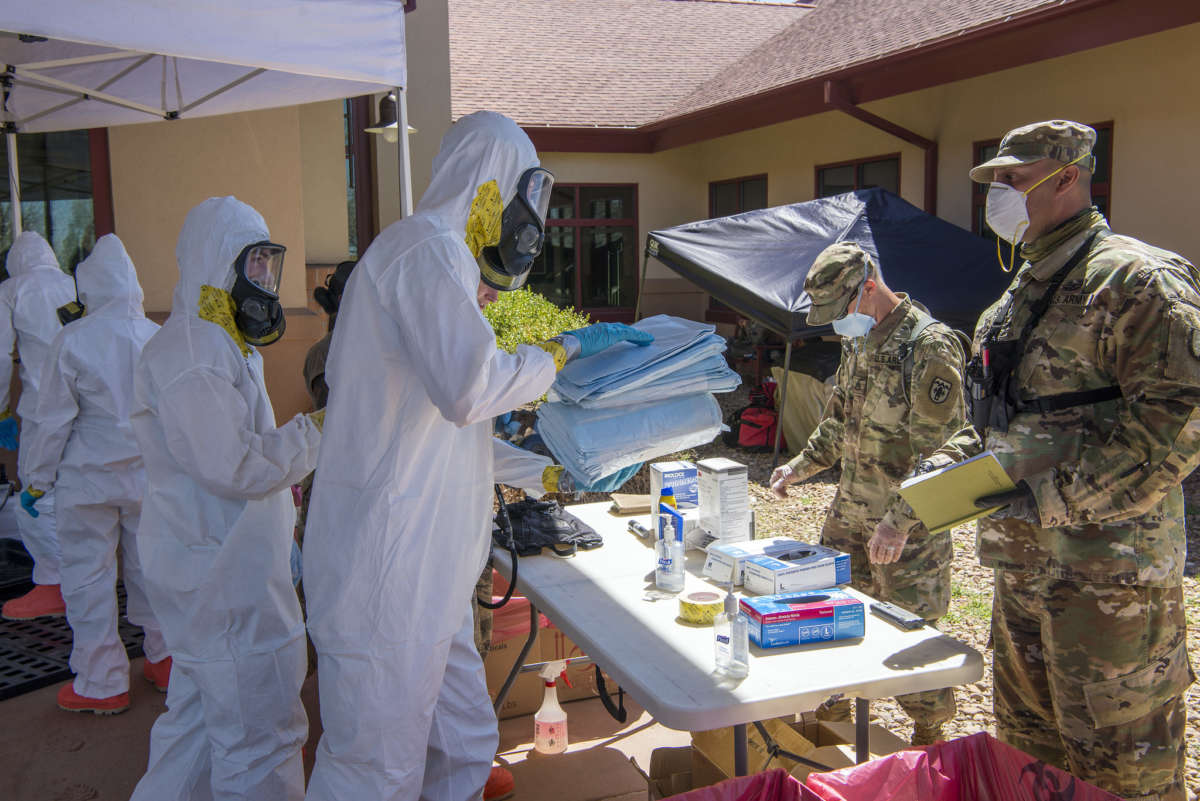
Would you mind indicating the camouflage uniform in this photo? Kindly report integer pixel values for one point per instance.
(1090, 660)
(879, 428)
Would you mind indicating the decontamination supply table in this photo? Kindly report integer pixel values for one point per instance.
(598, 599)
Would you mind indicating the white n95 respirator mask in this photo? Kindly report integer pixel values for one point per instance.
(1006, 212)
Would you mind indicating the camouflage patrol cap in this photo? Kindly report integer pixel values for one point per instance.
(833, 279)
(1061, 140)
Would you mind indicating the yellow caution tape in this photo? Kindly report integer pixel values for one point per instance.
(700, 607)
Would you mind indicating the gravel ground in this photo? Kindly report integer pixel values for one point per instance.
(802, 515)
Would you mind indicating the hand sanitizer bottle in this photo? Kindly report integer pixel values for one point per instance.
(732, 632)
(669, 564)
(550, 722)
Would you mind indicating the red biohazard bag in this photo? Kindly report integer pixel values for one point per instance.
(975, 767)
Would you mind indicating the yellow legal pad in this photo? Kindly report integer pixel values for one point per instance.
(946, 498)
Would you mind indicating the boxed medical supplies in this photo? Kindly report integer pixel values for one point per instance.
(724, 557)
(724, 499)
(804, 567)
(683, 480)
(717, 746)
(825, 742)
(795, 618)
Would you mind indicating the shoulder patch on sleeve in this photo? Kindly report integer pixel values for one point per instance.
(939, 390)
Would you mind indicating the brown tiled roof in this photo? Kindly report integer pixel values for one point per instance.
(602, 63)
(841, 34)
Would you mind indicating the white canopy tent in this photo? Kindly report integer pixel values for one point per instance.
(71, 64)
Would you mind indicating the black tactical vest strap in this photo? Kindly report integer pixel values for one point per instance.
(1043, 303)
(993, 395)
(1067, 400)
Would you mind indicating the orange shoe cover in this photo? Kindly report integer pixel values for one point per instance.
(44, 600)
(157, 673)
(72, 701)
(499, 785)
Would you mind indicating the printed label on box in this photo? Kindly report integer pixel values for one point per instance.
(723, 557)
(806, 567)
(682, 478)
(777, 621)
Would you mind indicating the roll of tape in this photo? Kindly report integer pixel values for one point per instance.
(700, 607)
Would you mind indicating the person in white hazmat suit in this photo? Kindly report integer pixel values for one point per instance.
(216, 530)
(399, 526)
(29, 302)
(83, 447)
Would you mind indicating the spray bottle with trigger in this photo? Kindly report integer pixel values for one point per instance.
(550, 722)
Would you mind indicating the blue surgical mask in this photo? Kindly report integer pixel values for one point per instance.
(855, 324)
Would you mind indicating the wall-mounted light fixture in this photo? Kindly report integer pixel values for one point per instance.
(387, 125)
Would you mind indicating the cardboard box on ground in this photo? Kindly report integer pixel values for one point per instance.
(828, 743)
(670, 772)
(528, 690)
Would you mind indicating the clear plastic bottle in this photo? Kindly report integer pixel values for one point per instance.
(731, 632)
(550, 721)
(669, 565)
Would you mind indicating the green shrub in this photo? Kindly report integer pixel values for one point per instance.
(523, 317)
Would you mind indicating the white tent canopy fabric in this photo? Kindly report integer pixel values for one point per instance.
(72, 64)
(127, 61)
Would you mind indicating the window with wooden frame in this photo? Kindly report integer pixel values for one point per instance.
(66, 192)
(1101, 177)
(733, 196)
(847, 176)
(589, 261)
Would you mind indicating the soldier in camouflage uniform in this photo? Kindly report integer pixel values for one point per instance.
(898, 395)
(1097, 422)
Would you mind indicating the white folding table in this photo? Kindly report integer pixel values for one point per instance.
(598, 599)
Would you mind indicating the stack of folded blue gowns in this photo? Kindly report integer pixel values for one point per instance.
(629, 404)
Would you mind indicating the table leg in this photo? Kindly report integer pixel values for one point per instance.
(862, 729)
(516, 668)
(740, 766)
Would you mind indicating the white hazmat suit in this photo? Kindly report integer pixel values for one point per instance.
(216, 535)
(29, 302)
(83, 446)
(399, 525)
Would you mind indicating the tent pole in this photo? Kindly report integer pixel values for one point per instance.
(14, 183)
(787, 364)
(404, 152)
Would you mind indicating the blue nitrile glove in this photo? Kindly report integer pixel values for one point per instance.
(296, 563)
(598, 336)
(8, 432)
(29, 497)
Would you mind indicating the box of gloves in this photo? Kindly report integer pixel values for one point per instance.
(795, 618)
(725, 558)
(804, 566)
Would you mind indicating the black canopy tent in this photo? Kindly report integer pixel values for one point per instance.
(756, 262)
